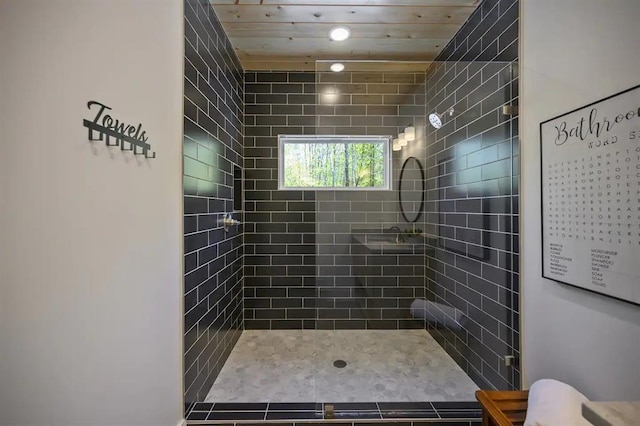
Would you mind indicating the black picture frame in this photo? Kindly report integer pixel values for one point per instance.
(542, 194)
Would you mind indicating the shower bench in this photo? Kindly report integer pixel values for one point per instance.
(503, 408)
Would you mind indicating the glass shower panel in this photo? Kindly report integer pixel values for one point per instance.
(472, 218)
(445, 264)
(369, 260)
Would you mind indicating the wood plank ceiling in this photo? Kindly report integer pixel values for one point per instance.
(293, 34)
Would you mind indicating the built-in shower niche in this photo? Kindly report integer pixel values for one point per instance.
(238, 189)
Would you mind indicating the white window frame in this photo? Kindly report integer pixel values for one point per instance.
(386, 143)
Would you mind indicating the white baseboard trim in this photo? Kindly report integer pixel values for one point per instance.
(182, 422)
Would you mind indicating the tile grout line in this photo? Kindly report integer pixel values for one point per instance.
(210, 410)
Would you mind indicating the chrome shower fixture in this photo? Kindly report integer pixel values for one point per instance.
(436, 119)
(228, 221)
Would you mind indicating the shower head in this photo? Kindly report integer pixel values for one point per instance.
(436, 119)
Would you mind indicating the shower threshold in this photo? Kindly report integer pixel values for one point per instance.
(437, 412)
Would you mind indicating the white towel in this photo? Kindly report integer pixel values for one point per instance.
(553, 403)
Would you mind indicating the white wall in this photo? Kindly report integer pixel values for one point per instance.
(574, 52)
(91, 236)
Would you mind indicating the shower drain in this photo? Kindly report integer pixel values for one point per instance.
(339, 363)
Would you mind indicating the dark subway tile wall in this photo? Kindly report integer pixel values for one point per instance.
(359, 287)
(280, 230)
(472, 188)
(294, 263)
(213, 129)
(302, 266)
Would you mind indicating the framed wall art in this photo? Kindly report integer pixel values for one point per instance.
(591, 196)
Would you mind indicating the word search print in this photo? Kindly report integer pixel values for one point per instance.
(591, 196)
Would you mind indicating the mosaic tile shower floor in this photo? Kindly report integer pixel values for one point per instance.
(382, 365)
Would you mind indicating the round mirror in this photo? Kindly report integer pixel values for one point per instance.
(411, 189)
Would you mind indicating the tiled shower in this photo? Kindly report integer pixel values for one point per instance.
(213, 261)
(294, 263)
(299, 268)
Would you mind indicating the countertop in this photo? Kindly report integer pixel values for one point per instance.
(612, 413)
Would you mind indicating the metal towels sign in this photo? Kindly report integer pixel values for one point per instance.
(128, 137)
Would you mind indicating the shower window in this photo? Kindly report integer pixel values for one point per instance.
(334, 162)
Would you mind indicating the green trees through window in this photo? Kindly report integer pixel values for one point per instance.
(334, 162)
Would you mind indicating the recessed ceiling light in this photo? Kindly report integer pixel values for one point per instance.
(337, 67)
(339, 33)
